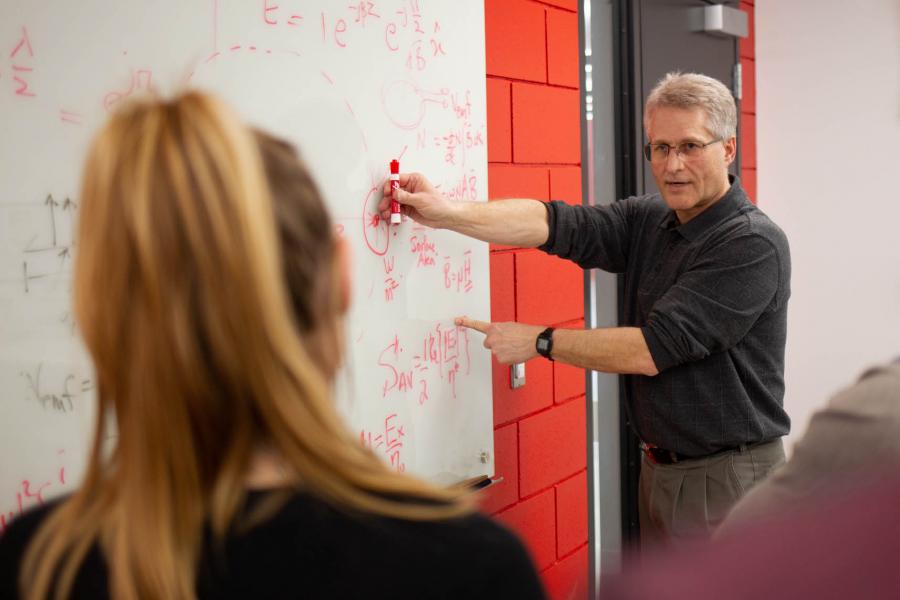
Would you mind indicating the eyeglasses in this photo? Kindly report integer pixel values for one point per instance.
(659, 153)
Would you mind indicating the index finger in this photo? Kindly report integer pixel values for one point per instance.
(481, 326)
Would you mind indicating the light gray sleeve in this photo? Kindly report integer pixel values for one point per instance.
(857, 432)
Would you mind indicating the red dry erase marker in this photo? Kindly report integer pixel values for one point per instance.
(395, 185)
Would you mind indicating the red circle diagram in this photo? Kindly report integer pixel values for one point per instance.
(373, 225)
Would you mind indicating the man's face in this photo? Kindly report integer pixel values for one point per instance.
(689, 185)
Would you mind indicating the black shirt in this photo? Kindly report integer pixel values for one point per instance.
(710, 297)
(311, 550)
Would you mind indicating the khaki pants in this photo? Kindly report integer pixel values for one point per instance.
(686, 501)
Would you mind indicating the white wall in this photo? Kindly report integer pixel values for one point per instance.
(828, 126)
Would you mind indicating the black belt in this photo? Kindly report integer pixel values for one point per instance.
(668, 457)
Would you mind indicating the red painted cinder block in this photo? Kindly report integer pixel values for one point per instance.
(567, 579)
(503, 287)
(568, 4)
(748, 144)
(571, 514)
(500, 247)
(748, 85)
(499, 121)
(514, 39)
(551, 446)
(549, 290)
(534, 520)
(545, 124)
(518, 181)
(565, 184)
(748, 44)
(506, 466)
(535, 395)
(748, 181)
(562, 48)
(568, 382)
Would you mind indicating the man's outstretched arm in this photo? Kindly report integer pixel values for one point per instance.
(611, 350)
(517, 222)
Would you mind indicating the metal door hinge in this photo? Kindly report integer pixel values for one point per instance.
(720, 20)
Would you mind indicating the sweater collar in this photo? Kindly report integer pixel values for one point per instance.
(723, 208)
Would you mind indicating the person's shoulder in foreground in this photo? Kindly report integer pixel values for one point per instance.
(858, 429)
(315, 550)
(845, 546)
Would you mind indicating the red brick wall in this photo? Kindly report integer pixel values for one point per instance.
(534, 151)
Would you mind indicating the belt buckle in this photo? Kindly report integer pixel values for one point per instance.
(645, 448)
(654, 453)
(649, 452)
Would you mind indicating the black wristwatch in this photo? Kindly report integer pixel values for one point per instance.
(544, 343)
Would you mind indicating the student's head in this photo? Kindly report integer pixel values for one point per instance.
(210, 290)
(697, 115)
(315, 261)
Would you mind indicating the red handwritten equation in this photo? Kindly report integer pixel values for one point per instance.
(462, 137)
(456, 142)
(387, 440)
(30, 493)
(406, 29)
(457, 273)
(465, 187)
(21, 65)
(390, 283)
(458, 277)
(442, 350)
(22, 68)
(406, 105)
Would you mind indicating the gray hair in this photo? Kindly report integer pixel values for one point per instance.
(693, 90)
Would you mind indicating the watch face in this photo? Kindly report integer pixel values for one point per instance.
(543, 343)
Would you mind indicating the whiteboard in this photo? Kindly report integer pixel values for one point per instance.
(353, 85)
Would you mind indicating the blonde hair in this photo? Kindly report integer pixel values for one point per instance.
(181, 298)
(693, 90)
